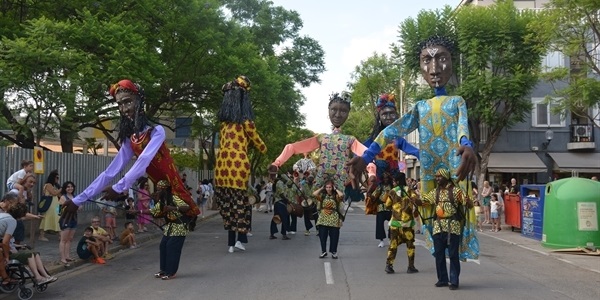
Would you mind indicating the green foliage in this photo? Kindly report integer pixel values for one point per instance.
(496, 61)
(181, 51)
(185, 159)
(573, 29)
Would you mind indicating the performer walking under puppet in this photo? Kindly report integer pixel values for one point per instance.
(443, 134)
(172, 209)
(331, 216)
(449, 203)
(386, 161)
(232, 171)
(401, 201)
(147, 142)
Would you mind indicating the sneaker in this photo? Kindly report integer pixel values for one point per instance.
(266, 212)
(334, 255)
(306, 233)
(389, 269)
(168, 277)
(132, 247)
(159, 274)
(230, 249)
(43, 239)
(411, 270)
(381, 244)
(249, 234)
(285, 237)
(323, 255)
(240, 246)
(272, 237)
(99, 261)
(292, 232)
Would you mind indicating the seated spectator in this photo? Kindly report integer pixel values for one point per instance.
(13, 181)
(128, 236)
(88, 247)
(8, 223)
(101, 235)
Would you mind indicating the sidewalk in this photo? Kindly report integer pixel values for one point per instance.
(49, 250)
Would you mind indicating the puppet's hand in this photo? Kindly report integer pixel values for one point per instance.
(467, 163)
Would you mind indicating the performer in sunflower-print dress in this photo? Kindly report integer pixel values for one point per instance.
(232, 171)
(329, 206)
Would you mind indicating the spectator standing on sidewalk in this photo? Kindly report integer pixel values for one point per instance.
(143, 203)
(50, 217)
(486, 196)
(67, 226)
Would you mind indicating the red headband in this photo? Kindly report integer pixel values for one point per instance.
(124, 84)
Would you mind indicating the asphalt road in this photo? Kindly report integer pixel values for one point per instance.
(277, 269)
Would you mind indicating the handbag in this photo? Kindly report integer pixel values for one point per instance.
(44, 204)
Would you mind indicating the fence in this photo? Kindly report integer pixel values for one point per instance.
(79, 168)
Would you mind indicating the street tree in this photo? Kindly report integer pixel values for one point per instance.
(572, 28)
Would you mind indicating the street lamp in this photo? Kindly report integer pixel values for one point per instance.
(549, 135)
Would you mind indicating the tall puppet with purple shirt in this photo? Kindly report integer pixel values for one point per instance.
(145, 141)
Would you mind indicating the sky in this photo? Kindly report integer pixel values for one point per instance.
(349, 32)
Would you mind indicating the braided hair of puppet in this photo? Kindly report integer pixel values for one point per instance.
(236, 106)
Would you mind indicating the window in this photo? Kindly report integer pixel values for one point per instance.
(542, 115)
(554, 59)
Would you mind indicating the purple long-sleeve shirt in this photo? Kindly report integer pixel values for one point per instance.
(125, 154)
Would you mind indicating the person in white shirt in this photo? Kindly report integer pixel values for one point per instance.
(12, 183)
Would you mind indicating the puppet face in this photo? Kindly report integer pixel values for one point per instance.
(126, 102)
(387, 115)
(338, 113)
(436, 65)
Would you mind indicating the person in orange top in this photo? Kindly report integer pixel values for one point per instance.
(233, 166)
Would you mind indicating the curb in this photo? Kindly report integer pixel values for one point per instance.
(56, 267)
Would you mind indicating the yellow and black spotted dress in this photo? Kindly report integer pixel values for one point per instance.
(232, 173)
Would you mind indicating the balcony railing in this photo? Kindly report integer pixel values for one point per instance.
(582, 133)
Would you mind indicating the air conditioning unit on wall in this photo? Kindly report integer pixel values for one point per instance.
(583, 131)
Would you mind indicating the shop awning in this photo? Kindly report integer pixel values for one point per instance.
(504, 162)
(578, 162)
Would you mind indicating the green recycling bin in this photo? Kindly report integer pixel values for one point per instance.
(571, 213)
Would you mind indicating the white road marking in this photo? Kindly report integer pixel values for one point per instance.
(328, 273)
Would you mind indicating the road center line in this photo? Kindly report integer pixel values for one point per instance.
(328, 273)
